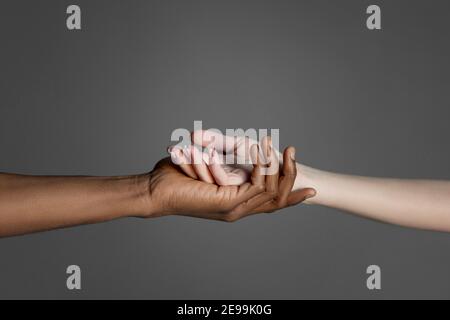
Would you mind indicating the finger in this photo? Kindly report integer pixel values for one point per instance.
(273, 169)
(267, 207)
(183, 160)
(216, 169)
(246, 192)
(294, 198)
(289, 174)
(299, 196)
(214, 139)
(238, 146)
(175, 155)
(186, 166)
(249, 202)
(199, 165)
(247, 208)
(257, 176)
(242, 150)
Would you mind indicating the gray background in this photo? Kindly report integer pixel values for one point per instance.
(104, 100)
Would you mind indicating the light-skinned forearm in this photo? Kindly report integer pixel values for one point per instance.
(37, 203)
(423, 204)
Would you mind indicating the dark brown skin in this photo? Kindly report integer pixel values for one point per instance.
(176, 193)
(36, 203)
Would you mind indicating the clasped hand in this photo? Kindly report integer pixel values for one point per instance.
(195, 183)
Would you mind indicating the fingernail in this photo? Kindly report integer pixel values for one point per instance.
(309, 196)
(293, 155)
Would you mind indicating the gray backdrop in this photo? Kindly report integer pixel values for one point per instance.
(104, 100)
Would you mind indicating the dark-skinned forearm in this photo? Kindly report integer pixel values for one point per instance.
(37, 203)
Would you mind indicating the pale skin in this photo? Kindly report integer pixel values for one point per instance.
(212, 190)
(38, 203)
(422, 204)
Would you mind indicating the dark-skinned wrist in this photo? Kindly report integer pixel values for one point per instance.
(140, 202)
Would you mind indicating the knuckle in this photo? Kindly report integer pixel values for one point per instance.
(281, 203)
(259, 188)
(221, 182)
(272, 193)
(226, 209)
